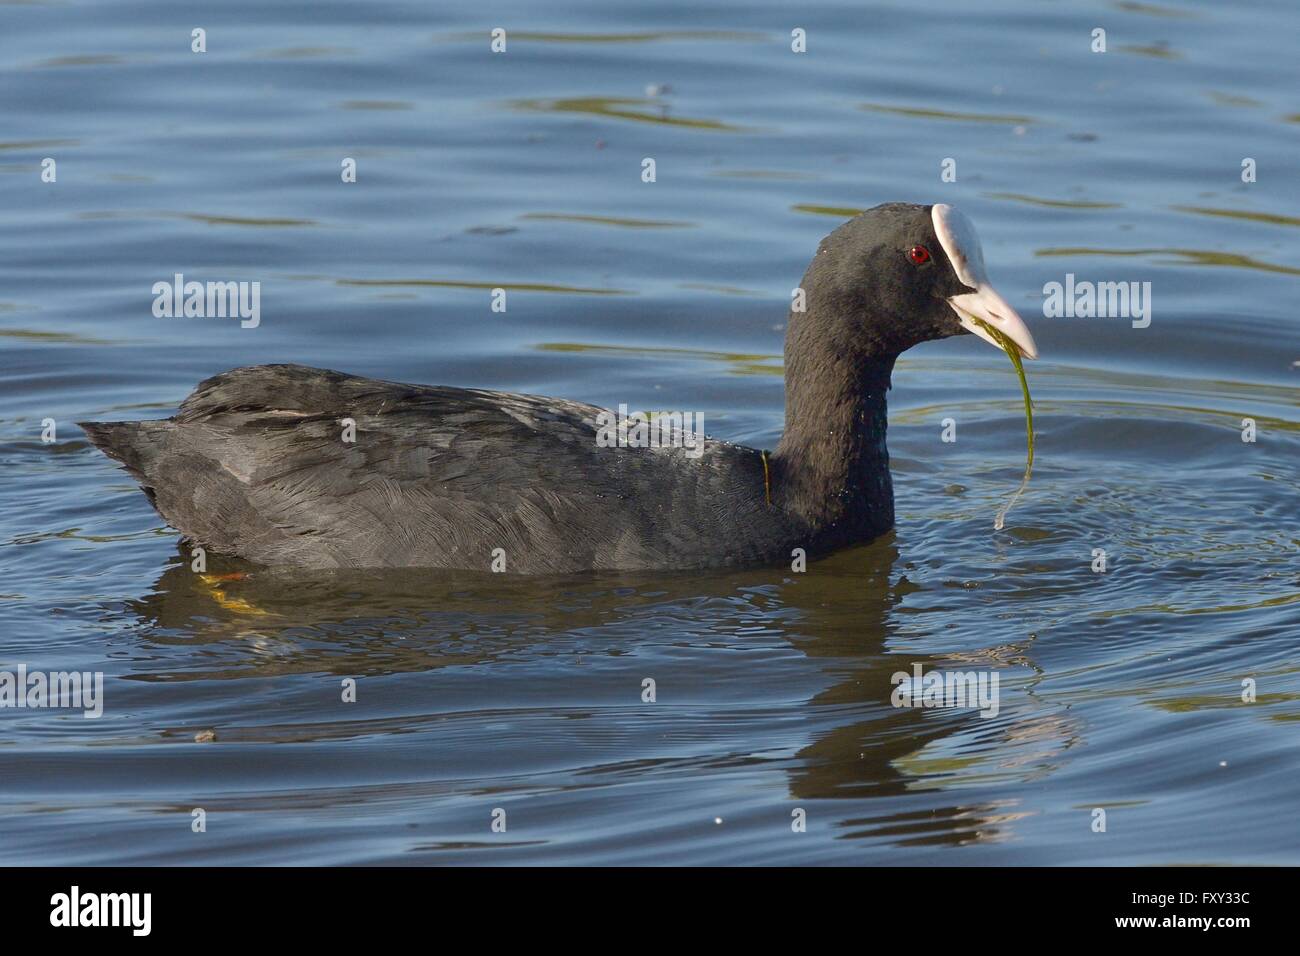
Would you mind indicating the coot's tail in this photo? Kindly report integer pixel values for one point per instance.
(134, 444)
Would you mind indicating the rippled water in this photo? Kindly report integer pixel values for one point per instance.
(1119, 690)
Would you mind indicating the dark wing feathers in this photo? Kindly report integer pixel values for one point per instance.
(254, 464)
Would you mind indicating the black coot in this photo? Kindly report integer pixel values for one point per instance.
(255, 463)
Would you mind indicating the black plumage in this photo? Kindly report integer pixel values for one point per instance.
(254, 463)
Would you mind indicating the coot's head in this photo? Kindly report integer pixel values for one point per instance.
(900, 274)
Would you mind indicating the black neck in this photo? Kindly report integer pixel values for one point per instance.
(831, 467)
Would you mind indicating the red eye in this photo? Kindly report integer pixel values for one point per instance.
(919, 255)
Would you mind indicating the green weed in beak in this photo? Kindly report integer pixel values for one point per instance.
(1014, 353)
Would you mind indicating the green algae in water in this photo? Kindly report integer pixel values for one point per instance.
(1014, 354)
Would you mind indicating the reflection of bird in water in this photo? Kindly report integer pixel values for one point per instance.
(851, 743)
